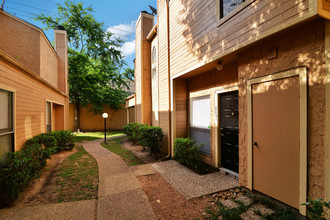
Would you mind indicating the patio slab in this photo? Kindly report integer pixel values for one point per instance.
(190, 184)
(143, 170)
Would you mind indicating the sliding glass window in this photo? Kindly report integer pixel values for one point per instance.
(6, 122)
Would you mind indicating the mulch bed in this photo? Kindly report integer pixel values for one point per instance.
(169, 203)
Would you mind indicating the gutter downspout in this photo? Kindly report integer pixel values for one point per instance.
(169, 154)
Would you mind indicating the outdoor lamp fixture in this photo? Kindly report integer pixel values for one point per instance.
(219, 66)
(105, 116)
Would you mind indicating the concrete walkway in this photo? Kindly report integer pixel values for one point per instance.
(120, 195)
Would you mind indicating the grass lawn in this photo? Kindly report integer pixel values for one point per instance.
(129, 158)
(90, 136)
(78, 177)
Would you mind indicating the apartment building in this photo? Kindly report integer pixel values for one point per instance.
(251, 80)
(34, 96)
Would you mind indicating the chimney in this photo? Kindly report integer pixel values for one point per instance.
(61, 47)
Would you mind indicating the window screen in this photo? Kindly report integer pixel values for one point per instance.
(200, 112)
(200, 119)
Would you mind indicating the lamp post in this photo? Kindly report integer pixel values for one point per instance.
(105, 116)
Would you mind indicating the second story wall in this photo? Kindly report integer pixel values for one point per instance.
(198, 36)
(20, 41)
(28, 45)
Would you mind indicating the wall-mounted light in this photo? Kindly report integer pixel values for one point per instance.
(219, 66)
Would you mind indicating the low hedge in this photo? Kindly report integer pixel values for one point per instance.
(18, 168)
(186, 152)
(149, 137)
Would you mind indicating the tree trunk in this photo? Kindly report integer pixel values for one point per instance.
(77, 117)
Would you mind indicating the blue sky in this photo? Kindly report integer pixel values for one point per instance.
(118, 16)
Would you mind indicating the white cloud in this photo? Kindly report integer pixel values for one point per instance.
(128, 48)
(125, 32)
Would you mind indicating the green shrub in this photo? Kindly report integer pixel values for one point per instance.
(46, 140)
(64, 140)
(150, 138)
(132, 131)
(186, 152)
(317, 209)
(17, 169)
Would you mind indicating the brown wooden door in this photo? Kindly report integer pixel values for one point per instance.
(275, 107)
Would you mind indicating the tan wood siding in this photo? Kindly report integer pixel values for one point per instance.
(31, 96)
(137, 72)
(195, 37)
(164, 120)
(181, 108)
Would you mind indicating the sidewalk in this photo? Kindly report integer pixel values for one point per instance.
(120, 195)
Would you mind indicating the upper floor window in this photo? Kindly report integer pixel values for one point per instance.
(6, 122)
(153, 54)
(227, 6)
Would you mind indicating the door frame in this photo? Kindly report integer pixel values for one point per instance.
(301, 72)
(217, 140)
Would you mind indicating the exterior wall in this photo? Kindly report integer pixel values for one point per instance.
(30, 98)
(197, 37)
(90, 122)
(24, 49)
(137, 71)
(207, 84)
(62, 50)
(164, 87)
(29, 69)
(300, 47)
(154, 83)
(48, 63)
(143, 68)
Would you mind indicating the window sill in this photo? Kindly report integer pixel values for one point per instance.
(239, 8)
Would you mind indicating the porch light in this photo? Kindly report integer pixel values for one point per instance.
(219, 66)
(105, 116)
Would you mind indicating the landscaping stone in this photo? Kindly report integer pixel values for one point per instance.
(250, 214)
(228, 203)
(245, 200)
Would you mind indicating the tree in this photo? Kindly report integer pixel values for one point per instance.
(94, 60)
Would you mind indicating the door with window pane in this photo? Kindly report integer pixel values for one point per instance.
(6, 122)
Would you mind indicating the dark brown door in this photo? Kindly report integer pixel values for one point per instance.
(229, 130)
(275, 107)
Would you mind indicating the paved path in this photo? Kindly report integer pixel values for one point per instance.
(120, 195)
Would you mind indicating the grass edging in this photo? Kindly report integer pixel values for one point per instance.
(128, 157)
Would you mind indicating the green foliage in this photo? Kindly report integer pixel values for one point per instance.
(64, 139)
(186, 152)
(149, 137)
(17, 169)
(94, 58)
(132, 131)
(317, 209)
